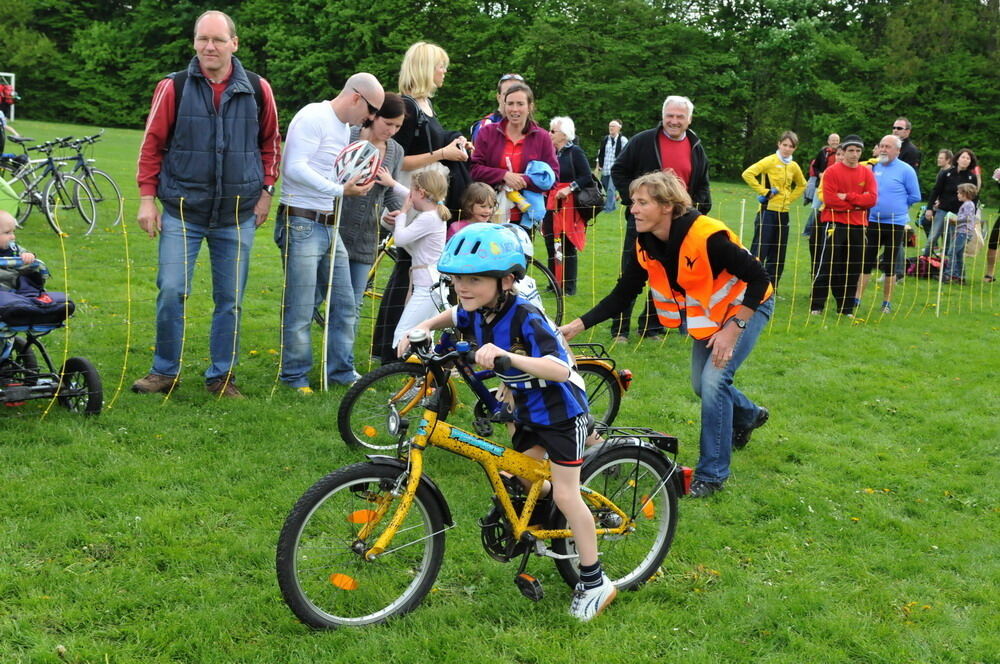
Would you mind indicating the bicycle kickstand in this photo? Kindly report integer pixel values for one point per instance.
(529, 586)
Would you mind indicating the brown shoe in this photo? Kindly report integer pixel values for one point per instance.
(224, 386)
(152, 383)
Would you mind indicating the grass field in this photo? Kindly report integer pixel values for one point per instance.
(859, 525)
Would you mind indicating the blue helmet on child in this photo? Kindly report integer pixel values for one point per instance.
(483, 249)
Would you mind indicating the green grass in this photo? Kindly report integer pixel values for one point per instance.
(859, 525)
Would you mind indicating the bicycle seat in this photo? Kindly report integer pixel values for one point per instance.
(19, 139)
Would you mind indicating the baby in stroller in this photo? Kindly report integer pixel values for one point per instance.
(27, 309)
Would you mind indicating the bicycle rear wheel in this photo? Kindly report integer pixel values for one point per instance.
(69, 206)
(548, 290)
(108, 199)
(603, 391)
(376, 411)
(638, 481)
(323, 575)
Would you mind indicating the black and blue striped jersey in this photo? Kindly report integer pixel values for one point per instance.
(522, 329)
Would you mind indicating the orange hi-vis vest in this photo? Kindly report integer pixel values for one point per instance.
(708, 302)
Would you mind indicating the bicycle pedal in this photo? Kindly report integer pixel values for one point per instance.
(529, 586)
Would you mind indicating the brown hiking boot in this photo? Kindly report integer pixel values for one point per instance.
(151, 383)
(224, 386)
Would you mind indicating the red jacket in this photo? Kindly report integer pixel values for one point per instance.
(862, 192)
(486, 160)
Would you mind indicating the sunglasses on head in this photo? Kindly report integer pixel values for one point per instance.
(511, 77)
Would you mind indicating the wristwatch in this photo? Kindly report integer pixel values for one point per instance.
(740, 323)
(269, 188)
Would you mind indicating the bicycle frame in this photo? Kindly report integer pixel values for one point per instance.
(492, 457)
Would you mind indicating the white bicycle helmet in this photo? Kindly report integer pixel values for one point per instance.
(360, 158)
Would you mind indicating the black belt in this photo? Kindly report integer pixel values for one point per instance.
(325, 218)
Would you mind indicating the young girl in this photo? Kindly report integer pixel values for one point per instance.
(966, 226)
(479, 204)
(423, 238)
(550, 406)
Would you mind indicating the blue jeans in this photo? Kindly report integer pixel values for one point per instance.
(359, 279)
(229, 254)
(723, 407)
(307, 273)
(609, 189)
(956, 257)
(939, 227)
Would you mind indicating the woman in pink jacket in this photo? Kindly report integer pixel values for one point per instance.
(503, 150)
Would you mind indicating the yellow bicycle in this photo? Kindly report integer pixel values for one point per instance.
(365, 543)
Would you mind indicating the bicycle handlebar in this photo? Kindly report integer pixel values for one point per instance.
(421, 344)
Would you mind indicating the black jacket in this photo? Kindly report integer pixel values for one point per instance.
(910, 154)
(946, 188)
(573, 166)
(604, 144)
(642, 155)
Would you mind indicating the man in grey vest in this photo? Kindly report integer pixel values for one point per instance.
(611, 147)
(211, 155)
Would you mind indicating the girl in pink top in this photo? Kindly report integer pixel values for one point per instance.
(478, 204)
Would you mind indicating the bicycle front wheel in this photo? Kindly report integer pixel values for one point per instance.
(69, 206)
(24, 200)
(108, 199)
(603, 392)
(548, 290)
(377, 411)
(638, 481)
(322, 572)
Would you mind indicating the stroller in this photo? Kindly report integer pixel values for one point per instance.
(26, 315)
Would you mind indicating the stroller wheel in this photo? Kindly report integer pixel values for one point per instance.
(80, 387)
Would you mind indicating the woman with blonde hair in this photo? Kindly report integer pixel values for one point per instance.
(426, 145)
(705, 282)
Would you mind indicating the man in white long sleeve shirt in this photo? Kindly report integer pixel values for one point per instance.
(306, 234)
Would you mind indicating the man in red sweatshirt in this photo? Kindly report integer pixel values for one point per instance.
(849, 189)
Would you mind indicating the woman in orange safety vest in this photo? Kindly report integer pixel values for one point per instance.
(705, 282)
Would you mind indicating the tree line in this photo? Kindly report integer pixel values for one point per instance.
(752, 68)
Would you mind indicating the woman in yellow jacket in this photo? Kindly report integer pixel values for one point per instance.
(778, 181)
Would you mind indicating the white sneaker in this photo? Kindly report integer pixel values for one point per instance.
(589, 603)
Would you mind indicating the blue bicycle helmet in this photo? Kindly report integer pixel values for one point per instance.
(483, 249)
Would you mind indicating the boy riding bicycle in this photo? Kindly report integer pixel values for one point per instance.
(551, 414)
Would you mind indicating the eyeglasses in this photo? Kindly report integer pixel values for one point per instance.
(372, 110)
(511, 77)
(899, 128)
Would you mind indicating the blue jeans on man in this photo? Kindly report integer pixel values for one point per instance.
(723, 407)
(229, 253)
(307, 273)
(609, 189)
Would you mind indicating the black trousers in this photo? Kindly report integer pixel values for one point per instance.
(838, 259)
(569, 256)
(648, 323)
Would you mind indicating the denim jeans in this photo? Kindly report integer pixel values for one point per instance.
(359, 279)
(939, 227)
(307, 273)
(229, 255)
(956, 257)
(609, 189)
(723, 407)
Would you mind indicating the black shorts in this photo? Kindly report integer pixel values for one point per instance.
(881, 235)
(995, 235)
(564, 441)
